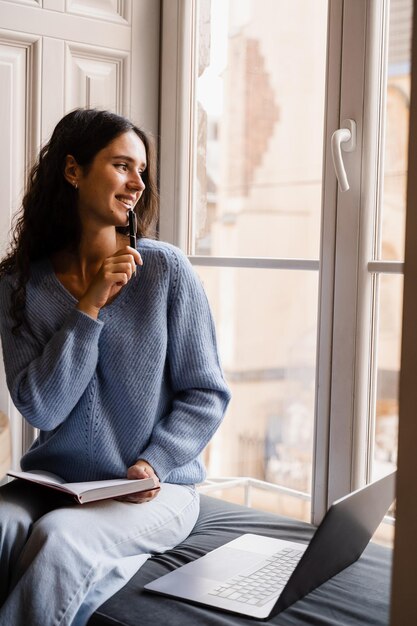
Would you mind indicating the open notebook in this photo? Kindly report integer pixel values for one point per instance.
(87, 491)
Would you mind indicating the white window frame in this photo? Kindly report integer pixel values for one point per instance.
(357, 264)
(353, 313)
(345, 367)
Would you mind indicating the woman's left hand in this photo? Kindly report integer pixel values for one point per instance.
(141, 469)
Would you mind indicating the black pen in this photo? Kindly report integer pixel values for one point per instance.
(132, 228)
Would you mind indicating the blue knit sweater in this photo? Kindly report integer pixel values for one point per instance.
(142, 381)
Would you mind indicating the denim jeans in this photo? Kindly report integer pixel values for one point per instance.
(60, 561)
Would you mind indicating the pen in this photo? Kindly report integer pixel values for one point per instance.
(132, 228)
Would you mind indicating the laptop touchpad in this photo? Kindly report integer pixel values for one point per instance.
(232, 562)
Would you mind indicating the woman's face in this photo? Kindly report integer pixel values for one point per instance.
(113, 183)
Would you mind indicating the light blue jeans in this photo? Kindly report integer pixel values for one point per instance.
(59, 562)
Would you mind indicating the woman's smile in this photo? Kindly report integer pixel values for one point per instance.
(127, 201)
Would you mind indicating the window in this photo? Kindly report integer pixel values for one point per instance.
(390, 237)
(254, 227)
(304, 280)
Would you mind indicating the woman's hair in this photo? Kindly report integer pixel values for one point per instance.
(48, 220)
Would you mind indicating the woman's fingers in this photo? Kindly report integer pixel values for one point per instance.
(131, 252)
(141, 469)
(118, 272)
(140, 497)
(128, 259)
(115, 272)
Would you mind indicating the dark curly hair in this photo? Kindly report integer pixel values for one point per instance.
(49, 205)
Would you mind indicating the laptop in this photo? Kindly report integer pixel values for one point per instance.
(260, 576)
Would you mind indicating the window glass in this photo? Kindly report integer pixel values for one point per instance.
(391, 244)
(396, 131)
(388, 369)
(266, 328)
(260, 92)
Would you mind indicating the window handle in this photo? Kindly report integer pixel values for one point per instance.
(343, 139)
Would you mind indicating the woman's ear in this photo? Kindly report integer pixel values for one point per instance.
(71, 170)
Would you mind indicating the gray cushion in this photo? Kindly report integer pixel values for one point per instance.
(358, 596)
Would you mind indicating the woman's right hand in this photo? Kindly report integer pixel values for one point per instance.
(114, 273)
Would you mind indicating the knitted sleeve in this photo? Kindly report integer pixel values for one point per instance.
(46, 381)
(201, 393)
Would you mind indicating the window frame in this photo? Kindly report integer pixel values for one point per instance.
(345, 368)
(357, 263)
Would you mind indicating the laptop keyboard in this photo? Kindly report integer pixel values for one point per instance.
(260, 586)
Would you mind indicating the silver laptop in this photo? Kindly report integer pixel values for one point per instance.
(260, 576)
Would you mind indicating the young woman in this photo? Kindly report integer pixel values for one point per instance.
(110, 352)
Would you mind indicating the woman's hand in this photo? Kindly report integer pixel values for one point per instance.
(114, 273)
(141, 469)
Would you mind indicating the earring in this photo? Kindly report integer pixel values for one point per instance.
(75, 184)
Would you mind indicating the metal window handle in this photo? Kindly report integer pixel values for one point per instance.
(343, 139)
